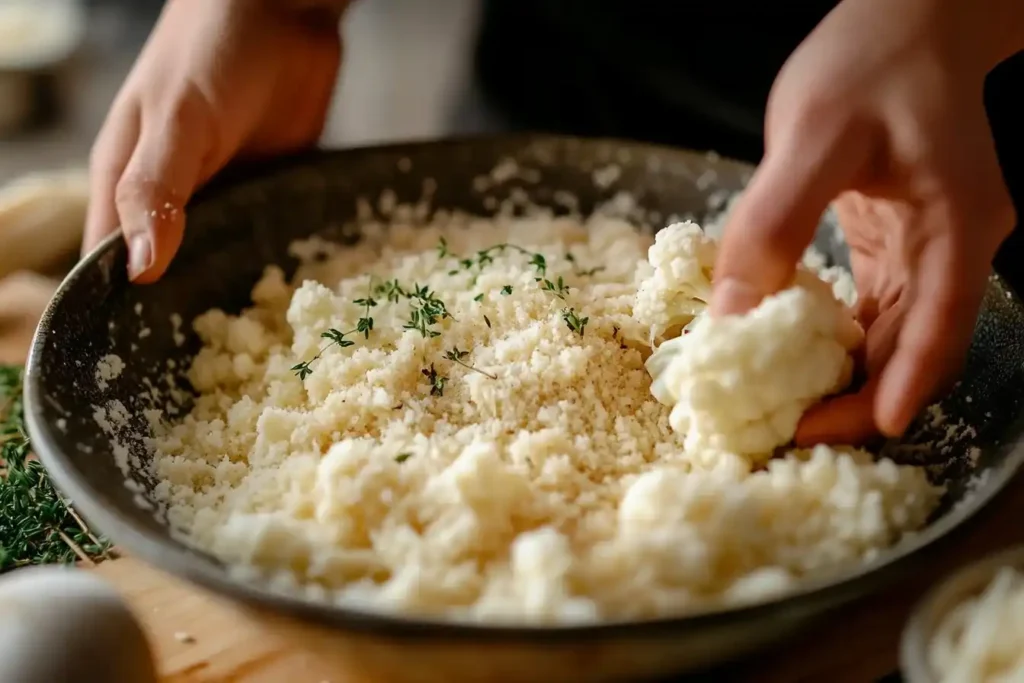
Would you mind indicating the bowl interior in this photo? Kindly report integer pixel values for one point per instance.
(248, 219)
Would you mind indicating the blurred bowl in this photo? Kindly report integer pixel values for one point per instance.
(967, 582)
(38, 38)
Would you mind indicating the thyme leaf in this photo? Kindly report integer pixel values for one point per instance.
(437, 382)
(456, 356)
(573, 321)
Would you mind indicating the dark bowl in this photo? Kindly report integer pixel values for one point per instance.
(247, 219)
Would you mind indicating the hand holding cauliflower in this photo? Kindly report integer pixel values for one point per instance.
(740, 383)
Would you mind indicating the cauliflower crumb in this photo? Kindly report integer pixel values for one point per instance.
(108, 369)
(455, 419)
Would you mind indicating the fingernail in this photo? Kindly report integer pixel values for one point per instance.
(732, 296)
(140, 255)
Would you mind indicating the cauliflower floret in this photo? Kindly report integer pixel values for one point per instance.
(679, 288)
(741, 383)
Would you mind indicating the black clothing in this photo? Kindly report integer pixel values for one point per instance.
(689, 74)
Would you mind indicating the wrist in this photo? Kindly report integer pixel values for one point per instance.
(326, 11)
(987, 31)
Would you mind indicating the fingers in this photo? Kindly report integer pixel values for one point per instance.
(150, 196)
(778, 214)
(850, 418)
(846, 419)
(109, 157)
(948, 284)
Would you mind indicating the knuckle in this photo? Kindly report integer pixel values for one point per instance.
(133, 188)
(185, 109)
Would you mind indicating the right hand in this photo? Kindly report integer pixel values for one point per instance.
(216, 80)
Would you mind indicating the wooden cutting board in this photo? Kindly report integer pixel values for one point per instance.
(198, 639)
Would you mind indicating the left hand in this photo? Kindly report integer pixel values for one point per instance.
(881, 110)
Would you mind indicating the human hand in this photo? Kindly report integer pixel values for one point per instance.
(215, 80)
(881, 110)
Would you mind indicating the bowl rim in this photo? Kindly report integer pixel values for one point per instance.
(172, 557)
(927, 614)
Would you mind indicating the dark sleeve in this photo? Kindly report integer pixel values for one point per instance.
(655, 70)
(1005, 112)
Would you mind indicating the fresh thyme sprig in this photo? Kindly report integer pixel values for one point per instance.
(437, 382)
(390, 290)
(427, 313)
(577, 270)
(457, 356)
(37, 525)
(573, 321)
(442, 248)
(558, 288)
(485, 257)
(337, 338)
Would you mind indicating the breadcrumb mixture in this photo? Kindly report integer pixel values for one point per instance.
(457, 420)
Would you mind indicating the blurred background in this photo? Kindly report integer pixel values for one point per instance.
(407, 74)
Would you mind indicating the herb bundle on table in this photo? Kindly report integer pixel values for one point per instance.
(37, 525)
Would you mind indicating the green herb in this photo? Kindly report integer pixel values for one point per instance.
(485, 257)
(337, 338)
(442, 248)
(558, 288)
(437, 382)
(573, 321)
(488, 321)
(478, 298)
(402, 457)
(37, 525)
(577, 270)
(365, 324)
(427, 311)
(390, 290)
(506, 290)
(539, 263)
(455, 355)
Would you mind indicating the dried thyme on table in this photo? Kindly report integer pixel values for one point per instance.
(37, 525)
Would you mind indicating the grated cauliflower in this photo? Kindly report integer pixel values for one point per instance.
(500, 456)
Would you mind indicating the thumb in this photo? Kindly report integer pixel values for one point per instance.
(777, 215)
(161, 175)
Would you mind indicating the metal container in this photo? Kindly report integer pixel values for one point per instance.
(965, 583)
(247, 219)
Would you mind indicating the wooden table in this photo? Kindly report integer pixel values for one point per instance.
(199, 640)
